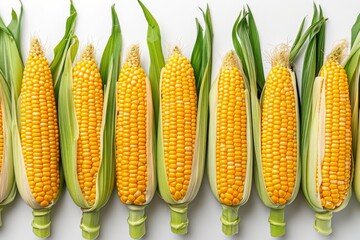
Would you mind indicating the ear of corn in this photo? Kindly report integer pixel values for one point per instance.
(329, 165)
(181, 134)
(11, 68)
(87, 127)
(278, 173)
(326, 103)
(275, 190)
(135, 133)
(230, 142)
(246, 43)
(35, 140)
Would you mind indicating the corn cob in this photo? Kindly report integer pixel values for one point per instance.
(87, 98)
(178, 118)
(329, 163)
(11, 69)
(39, 128)
(279, 133)
(181, 100)
(230, 142)
(135, 169)
(37, 144)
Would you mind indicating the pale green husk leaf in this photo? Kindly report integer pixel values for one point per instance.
(352, 67)
(211, 155)
(11, 68)
(7, 178)
(313, 61)
(151, 167)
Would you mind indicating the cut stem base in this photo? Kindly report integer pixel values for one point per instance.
(178, 218)
(90, 225)
(41, 223)
(277, 222)
(323, 223)
(136, 221)
(230, 220)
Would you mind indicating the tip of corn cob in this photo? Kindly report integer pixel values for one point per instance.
(339, 51)
(133, 57)
(176, 50)
(230, 60)
(281, 56)
(35, 48)
(88, 53)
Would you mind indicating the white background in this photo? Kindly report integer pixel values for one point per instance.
(277, 22)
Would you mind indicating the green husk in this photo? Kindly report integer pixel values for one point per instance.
(11, 68)
(109, 69)
(11, 63)
(352, 67)
(255, 45)
(196, 55)
(245, 49)
(313, 61)
(202, 62)
(60, 51)
(157, 61)
(7, 177)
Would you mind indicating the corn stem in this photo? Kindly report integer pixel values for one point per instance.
(136, 220)
(178, 218)
(230, 220)
(41, 223)
(90, 224)
(323, 223)
(277, 222)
